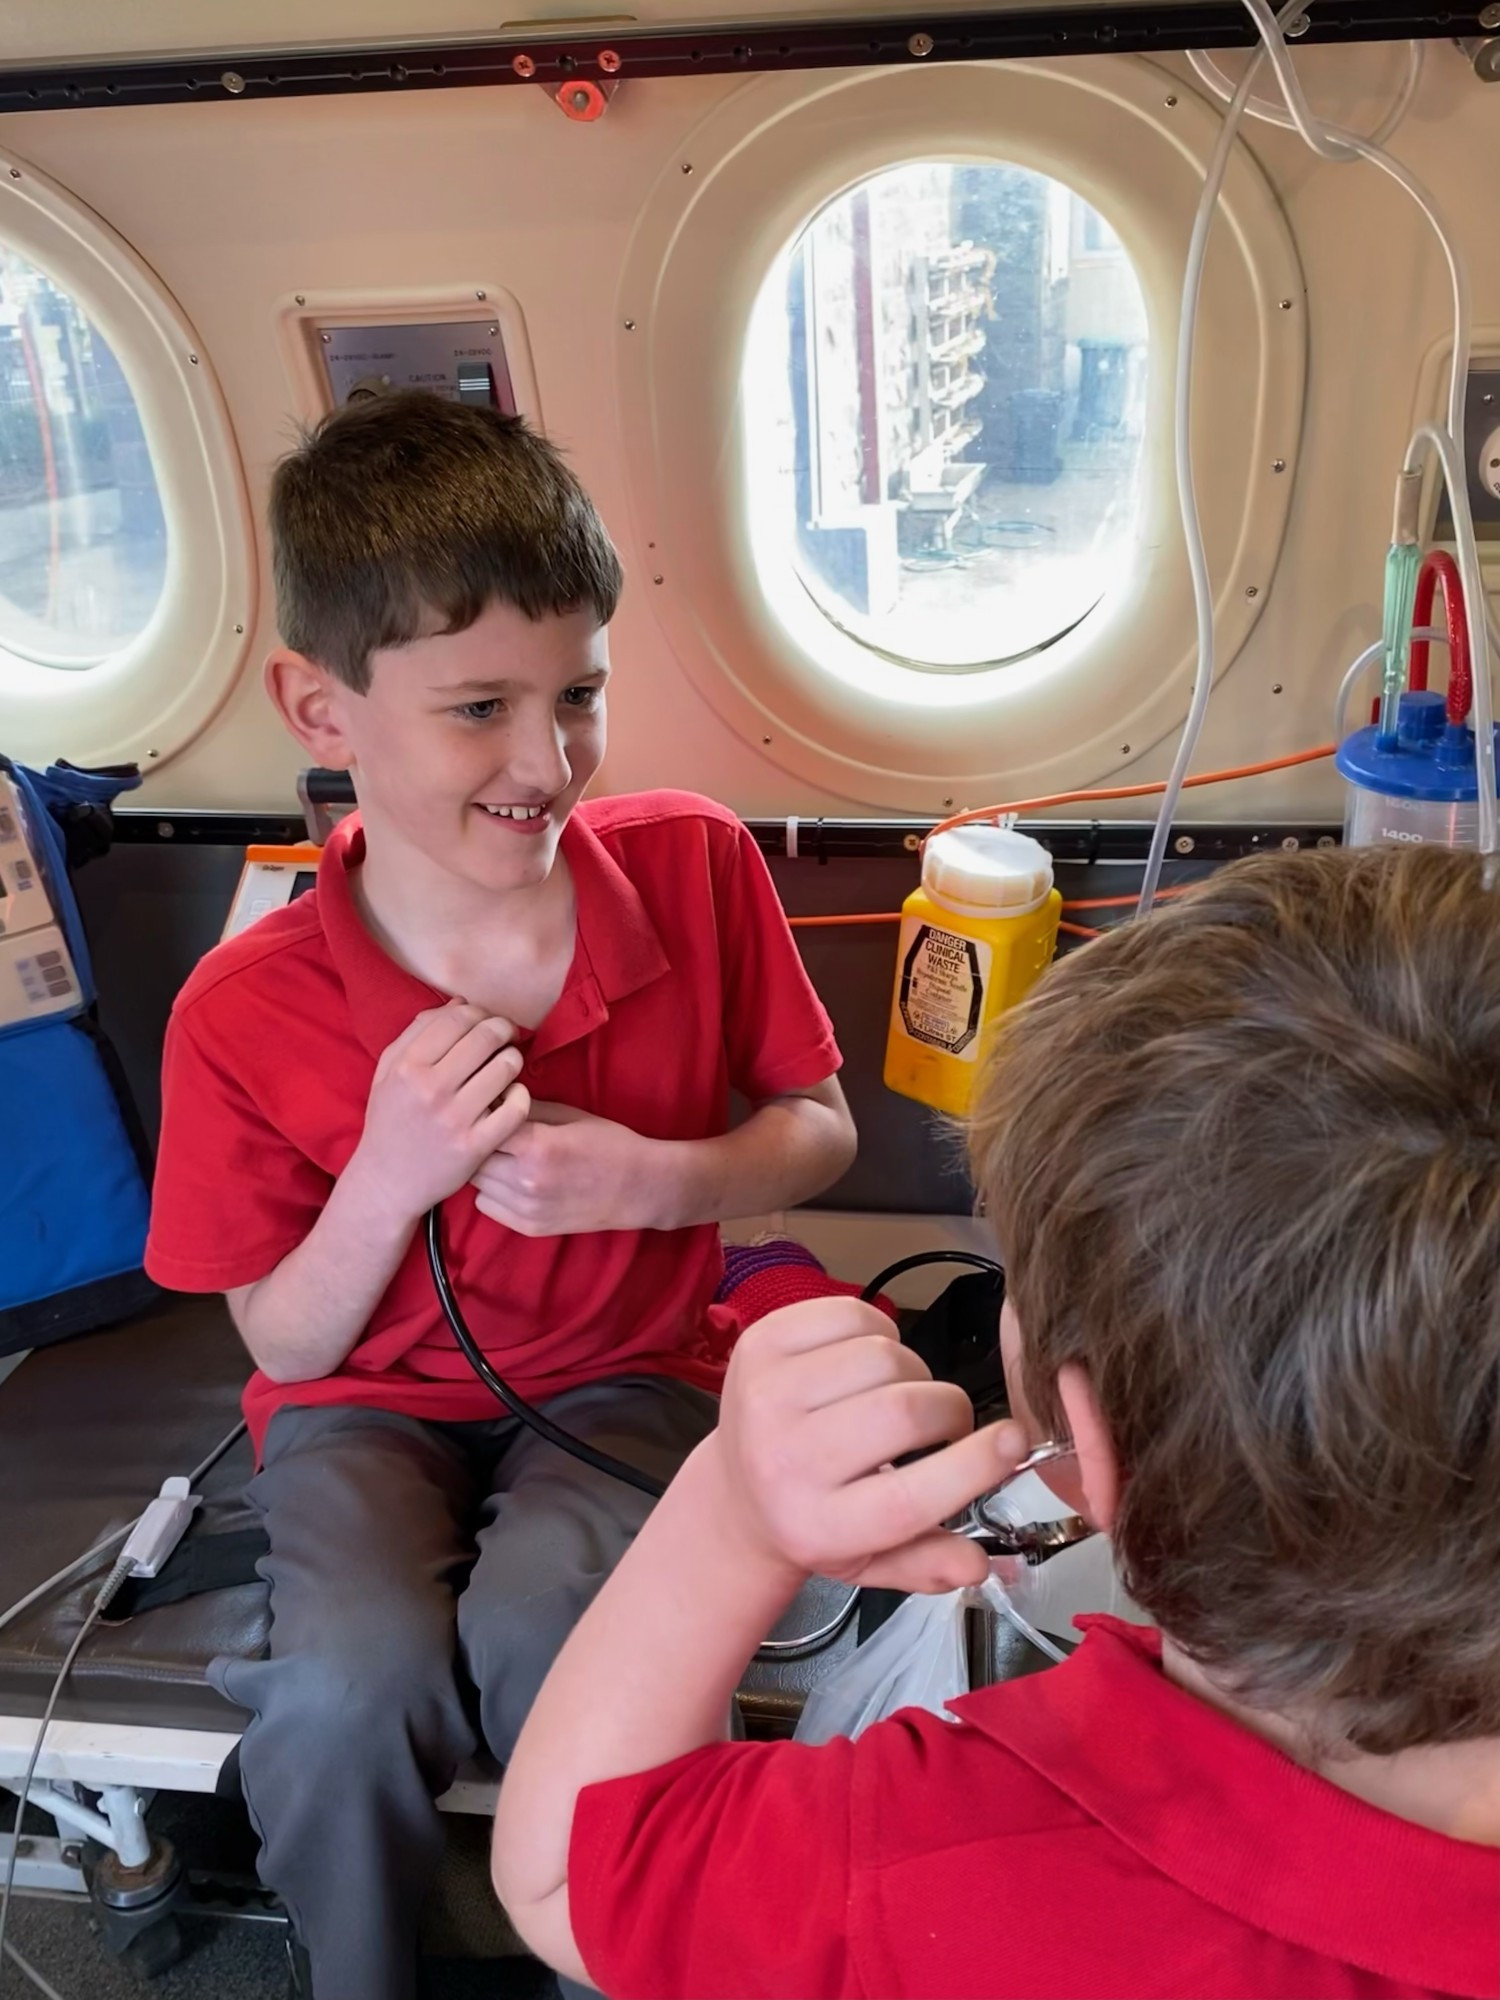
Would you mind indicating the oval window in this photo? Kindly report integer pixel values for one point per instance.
(83, 540)
(944, 394)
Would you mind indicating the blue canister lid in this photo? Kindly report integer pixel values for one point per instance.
(1432, 758)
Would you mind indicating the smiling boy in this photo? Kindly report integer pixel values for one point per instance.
(496, 1000)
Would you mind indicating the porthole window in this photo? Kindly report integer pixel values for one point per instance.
(945, 398)
(83, 540)
(127, 550)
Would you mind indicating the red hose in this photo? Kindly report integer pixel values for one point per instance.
(1438, 567)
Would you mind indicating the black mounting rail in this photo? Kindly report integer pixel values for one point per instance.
(816, 840)
(619, 53)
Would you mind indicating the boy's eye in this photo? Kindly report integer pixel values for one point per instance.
(477, 711)
(581, 697)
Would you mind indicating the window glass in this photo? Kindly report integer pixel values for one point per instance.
(83, 543)
(943, 394)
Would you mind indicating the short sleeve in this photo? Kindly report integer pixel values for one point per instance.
(777, 1034)
(232, 1196)
(724, 1873)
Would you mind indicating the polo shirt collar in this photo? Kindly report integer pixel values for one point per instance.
(617, 951)
(1236, 1822)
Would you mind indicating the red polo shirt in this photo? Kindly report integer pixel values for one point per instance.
(1087, 1833)
(685, 980)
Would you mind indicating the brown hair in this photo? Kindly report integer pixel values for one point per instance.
(410, 514)
(1244, 1162)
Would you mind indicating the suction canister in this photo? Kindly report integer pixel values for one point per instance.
(975, 937)
(1422, 789)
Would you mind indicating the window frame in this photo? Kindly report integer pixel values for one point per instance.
(148, 699)
(836, 715)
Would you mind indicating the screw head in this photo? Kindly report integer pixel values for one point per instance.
(658, 579)
(1252, 590)
(911, 842)
(947, 805)
(920, 45)
(609, 61)
(1184, 844)
(1290, 844)
(1276, 687)
(1326, 840)
(1297, 28)
(1124, 749)
(1278, 465)
(302, 298)
(233, 82)
(765, 740)
(165, 830)
(523, 66)
(687, 166)
(1489, 17)
(194, 359)
(1171, 104)
(15, 173)
(1285, 305)
(629, 326)
(239, 629)
(327, 339)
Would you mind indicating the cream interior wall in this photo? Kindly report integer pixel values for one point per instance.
(236, 206)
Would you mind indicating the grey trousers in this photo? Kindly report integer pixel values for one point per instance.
(423, 1578)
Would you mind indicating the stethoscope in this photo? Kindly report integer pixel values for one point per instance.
(1033, 1542)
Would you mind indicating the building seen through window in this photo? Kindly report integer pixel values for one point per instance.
(944, 398)
(83, 541)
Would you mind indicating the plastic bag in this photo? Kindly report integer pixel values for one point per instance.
(917, 1659)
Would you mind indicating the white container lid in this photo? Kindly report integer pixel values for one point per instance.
(987, 871)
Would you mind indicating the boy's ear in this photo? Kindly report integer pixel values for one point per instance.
(306, 697)
(1098, 1467)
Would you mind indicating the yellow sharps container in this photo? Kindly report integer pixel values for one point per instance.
(975, 937)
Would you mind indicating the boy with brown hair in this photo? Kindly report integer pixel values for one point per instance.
(528, 1010)
(1244, 1163)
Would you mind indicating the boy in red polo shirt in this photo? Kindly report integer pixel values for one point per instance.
(1245, 1161)
(529, 1012)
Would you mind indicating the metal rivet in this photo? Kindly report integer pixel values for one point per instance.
(194, 359)
(657, 579)
(609, 61)
(327, 339)
(1290, 844)
(1278, 465)
(166, 830)
(630, 326)
(523, 66)
(1276, 687)
(494, 329)
(479, 295)
(1184, 844)
(1285, 305)
(239, 628)
(15, 173)
(153, 753)
(302, 298)
(920, 45)
(765, 739)
(947, 805)
(1171, 104)
(1295, 29)
(233, 82)
(687, 166)
(1252, 590)
(1124, 749)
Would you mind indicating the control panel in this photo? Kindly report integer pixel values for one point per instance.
(271, 878)
(461, 359)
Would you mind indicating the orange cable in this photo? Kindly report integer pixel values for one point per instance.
(860, 917)
(1132, 791)
(1080, 930)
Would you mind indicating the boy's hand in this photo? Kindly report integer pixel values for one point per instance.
(568, 1173)
(444, 1097)
(819, 1400)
